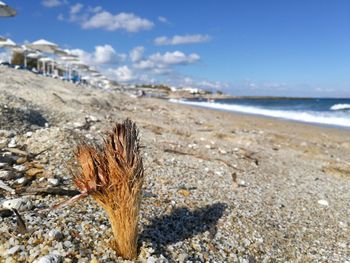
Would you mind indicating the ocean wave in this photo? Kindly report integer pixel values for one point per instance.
(328, 118)
(340, 107)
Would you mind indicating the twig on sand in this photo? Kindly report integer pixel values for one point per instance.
(51, 191)
(202, 157)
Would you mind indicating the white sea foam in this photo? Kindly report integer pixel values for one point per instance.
(328, 118)
(340, 107)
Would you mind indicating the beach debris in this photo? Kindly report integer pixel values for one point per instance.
(337, 169)
(7, 175)
(51, 258)
(13, 250)
(202, 157)
(323, 202)
(34, 172)
(56, 235)
(114, 178)
(51, 191)
(22, 181)
(19, 168)
(184, 192)
(53, 181)
(21, 226)
(20, 204)
(5, 212)
(12, 143)
(6, 187)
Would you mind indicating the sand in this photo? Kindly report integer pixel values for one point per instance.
(220, 187)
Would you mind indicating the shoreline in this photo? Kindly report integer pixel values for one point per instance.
(315, 123)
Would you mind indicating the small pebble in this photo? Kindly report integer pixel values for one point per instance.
(21, 204)
(13, 250)
(19, 168)
(12, 143)
(51, 258)
(22, 181)
(323, 202)
(53, 181)
(7, 175)
(56, 235)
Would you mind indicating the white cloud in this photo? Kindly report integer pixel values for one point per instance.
(60, 17)
(163, 19)
(75, 9)
(162, 63)
(121, 21)
(174, 58)
(179, 40)
(122, 74)
(95, 9)
(103, 55)
(136, 53)
(53, 3)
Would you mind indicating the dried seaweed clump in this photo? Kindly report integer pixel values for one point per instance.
(114, 176)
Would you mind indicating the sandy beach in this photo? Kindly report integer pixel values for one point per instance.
(220, 187)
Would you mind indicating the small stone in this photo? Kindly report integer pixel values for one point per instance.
(67, 244)
(12, 143)
(184, 192)
(21, 204)
(242, 183)
(18, 152)
(53, 181)
(93, 118)
(34, 171)
(323, 202)
(7, 175)
(22, 181)
(151, 260)
(51, 258)
(181, 258)
(5, 213)
(13, 250)
(29, 134)
(56, 235)
(21, 160)
(6, 187)
(19, 168)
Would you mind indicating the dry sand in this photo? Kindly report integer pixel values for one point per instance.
(220, 187)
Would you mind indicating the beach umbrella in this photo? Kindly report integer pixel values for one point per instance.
(60, 52)
(45, 60)
(68, 59)
(43, 46)
(36, 55)
(8, 44)
(24, 50)
(5, 10)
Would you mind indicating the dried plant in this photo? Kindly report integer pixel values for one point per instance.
(114, 176)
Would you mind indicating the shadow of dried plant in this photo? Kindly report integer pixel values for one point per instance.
(181, 224)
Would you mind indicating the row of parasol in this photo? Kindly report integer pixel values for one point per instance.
(47, 53)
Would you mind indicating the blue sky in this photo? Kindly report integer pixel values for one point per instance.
(272, 47)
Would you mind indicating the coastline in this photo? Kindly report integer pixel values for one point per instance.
(220, 186)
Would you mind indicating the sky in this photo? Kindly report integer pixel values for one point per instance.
(242, 47)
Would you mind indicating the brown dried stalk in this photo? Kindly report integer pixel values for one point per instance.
(114, 178)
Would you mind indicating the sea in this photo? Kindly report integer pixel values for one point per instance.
(322, 111)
